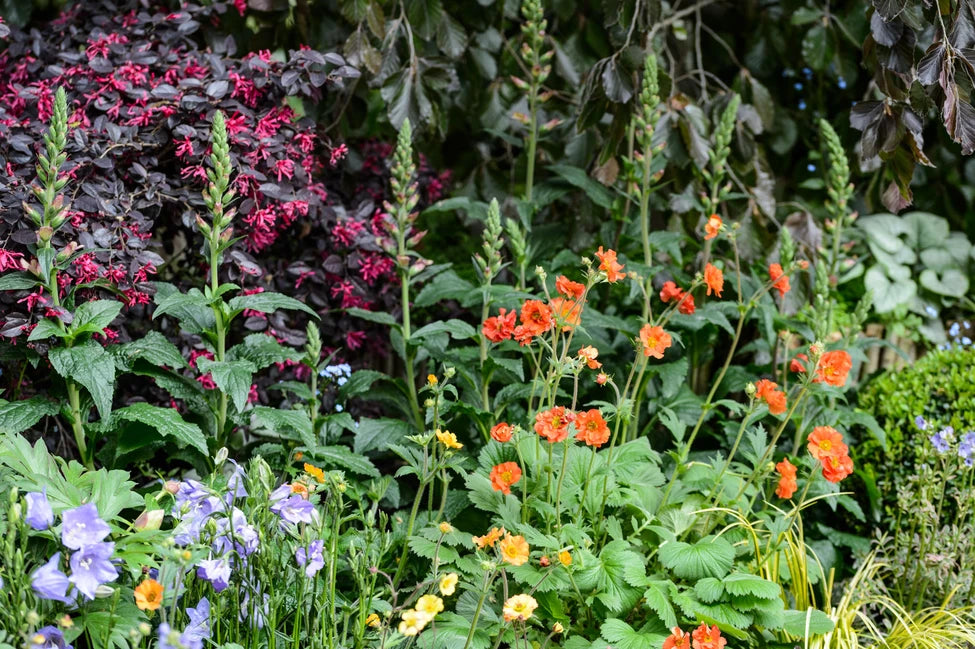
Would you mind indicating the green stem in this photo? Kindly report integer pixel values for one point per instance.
(410, 372)
(401, 565)
(488, 578)
(558, 491)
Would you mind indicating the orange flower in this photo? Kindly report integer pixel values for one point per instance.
(536, 317)
(499, 327)
(714, 278)
(315, 472)
(148, 595)
(825, 441)
(553, 424)
(567, 312)
(655, 341)
(300, 489)
(837, 468)
(670, 291)
(686, 305)
(787, 481)
(608, 264)
(489, 539)
(833, 368)
(504, 475)
(570, 289)
(677, 640)
(501, 432)
(781, 280)
(523, 335)
(797, 364)
(712, 227)
(769, 392)
(592, 428)
(705, 638)
(514, 550)
(590, 354)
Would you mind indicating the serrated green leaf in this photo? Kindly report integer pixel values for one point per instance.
(154, 348)
(18, 281)
(94, 316)
(18, 416)
(710, 557)
(290, 424)
(46, 328)
(268, 303)
(343, 458)
(741, 583)
(709, 589)
(623, 636)
(378, 434)
(379, 317)
(817, 623)
(167, 422)
(658, 600)
(91, 366)
(262, 350)
(232, 377)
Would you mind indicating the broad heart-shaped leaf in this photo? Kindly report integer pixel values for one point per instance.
(925, 230)
(885, 230)
(262, 350)
(268, 303)
(167, 422)
(94, 316)
(712, 556)
(18, 416)
(192, 308)
(817, 622)
(742, 583)
(154, 348)
(290, 424)
(888, 295)
(91, 366)
(232, 377)
(623, 636)
(342, 458)
(952, 282)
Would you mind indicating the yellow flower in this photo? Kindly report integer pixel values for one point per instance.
(558, 628)
(448, 439)
(412, 622)
(429, 605)
(514, 550)
(446, 528)
(315, 472)
(373, 621)
(432, 379)
(519, 607)
(565, 558)
(65, 621)
(448, 583)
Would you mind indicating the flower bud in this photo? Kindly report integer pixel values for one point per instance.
(104, 591)
(171, 487)
(221, 456)
(557, 628)
(33, 619)
(149, 520)
(144, 628)
(44, 234)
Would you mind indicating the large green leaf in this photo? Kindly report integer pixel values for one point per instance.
(94, 316)
(378, 434)
(192, 308)
(817, 623)
(267, 303)
(233, 377)
(18, 416)
(710, 557)
(91, 366)
(342, 458)
(167, 423)
(290, 424)
(887, 294)
(262, 350)
(742, 583)
(623, 636)
(154, 348)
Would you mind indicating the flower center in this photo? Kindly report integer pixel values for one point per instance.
(506, 476)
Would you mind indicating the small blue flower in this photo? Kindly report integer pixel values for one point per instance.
(48, 637)
(802, 104)
(797, 85)
(49, 582)
(215, 571)
(91, 566)
(312, 558)
(920, 422)
(810, 167)
(841, 82)
(40, 516)
(807, 72)
(338, 407)
(81, 526)
(954, 330)
(966, 341)
(931, 311)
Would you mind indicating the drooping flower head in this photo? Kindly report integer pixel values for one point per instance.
(833, 368)
(501, 432)
(589, 354)
(215, 571)
(504, 475)
(670, 291)
(519, 607)
(798, 363)
(779, 278)
(768, 391)
(569, 289)
(714, 279)
(787, 479)
(489, 539)
(609, 265)
(48, 637)
(712, 227)
(81, 526)
(655, 341)
(91, 566)
(553, 424)
(39, 516)
(591, 428)
(514, 550)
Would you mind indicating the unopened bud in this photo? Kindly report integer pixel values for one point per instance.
(44, 233)
(221, 456)
(149, 520)
(171, 487)
(104, 591)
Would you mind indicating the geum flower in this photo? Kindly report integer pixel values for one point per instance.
(501, 432)
(677, 639)
(711, 230)
(500, 327)
(91, 566)
(148, 595)
(553, 424)
(837, 468)
(670, 292)
(655, 341)
(572, 290)
(826, 441)
(568, 313)
(504, 475)
(519, 607)
(787, 479)
(708, 638)
(591, 428)
(514, 550)
(609, 265)
(448, 583)
(833, 368)
(714, 279)
(81, 526)
(779, 278)
(536, 319)
(589, 354)
(489, 539)
(768, 391)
